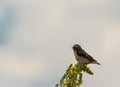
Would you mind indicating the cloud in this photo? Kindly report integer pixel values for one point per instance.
(23, 67)
(39, 44)
(7, 21)
(88, 3)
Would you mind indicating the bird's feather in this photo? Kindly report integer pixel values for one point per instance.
(85, 55)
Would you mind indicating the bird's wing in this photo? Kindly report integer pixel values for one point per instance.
(85, 55)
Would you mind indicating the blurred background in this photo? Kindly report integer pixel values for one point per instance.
(36, 37)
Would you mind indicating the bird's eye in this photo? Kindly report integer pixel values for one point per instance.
(75, 48)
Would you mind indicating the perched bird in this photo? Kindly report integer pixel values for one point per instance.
(82, 57)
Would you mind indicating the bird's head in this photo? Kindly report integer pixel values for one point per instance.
(76, 47)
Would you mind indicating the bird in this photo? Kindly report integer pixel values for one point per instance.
(83, 57)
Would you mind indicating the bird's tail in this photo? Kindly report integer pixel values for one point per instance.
(95, 62)
(98, 63)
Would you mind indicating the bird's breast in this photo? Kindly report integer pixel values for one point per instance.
(80, 59)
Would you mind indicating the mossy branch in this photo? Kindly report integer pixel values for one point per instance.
(73, 75)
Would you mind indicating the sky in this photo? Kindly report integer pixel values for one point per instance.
(36, 37)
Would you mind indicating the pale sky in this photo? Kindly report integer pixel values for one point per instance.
(36, 37)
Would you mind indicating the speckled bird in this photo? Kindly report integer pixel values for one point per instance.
(83, 57)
